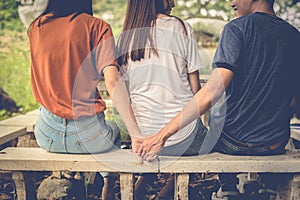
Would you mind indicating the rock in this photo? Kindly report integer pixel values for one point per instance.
(27, 140)
(28, 13)
(7, 103)
(4, 197)
(211, 26)
(207, 30)
(53, 188)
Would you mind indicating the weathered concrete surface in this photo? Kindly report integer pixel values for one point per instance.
(28, 13)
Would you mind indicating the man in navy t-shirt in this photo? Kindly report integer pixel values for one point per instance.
(255, 67)
(259, 54)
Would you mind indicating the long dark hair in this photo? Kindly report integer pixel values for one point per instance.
(62, 8)
(140, 17)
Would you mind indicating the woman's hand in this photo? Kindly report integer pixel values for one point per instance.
(149, 147)
(136, 146)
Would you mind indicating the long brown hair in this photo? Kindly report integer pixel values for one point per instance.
(140, 18)
(62, 8)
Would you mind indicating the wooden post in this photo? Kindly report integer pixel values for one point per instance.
(290, 189)
(181, 186)
(19, 185)
(24, 186)
(57, 174)
(295, 191)
(127, 186)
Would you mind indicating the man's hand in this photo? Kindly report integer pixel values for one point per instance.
(150, 146)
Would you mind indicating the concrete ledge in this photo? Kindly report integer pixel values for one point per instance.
(8, 133)
(27, 121)
(37, 159)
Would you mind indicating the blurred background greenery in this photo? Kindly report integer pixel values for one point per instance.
(207, 18)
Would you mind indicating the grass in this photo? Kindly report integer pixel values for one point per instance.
(15, 66)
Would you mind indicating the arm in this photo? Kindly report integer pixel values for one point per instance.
(201, 103)
(119, 95)
(194, 81)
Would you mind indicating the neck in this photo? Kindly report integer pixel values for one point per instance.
(263, 7)
(160, 15)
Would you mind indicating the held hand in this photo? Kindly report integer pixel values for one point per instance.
(136, 143)
(151, 147)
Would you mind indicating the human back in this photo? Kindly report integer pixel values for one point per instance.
(63, 47)
(69, 50)
(259, 96)
(159, 83)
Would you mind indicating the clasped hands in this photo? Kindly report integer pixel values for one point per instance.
(147, 148)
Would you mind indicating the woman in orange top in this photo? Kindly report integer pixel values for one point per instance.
(70, 51)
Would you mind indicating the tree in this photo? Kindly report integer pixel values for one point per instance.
(112, 11)
(287, 9)
(8, 12)
(203, 8)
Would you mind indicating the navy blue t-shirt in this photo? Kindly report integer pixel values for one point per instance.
(263, 52)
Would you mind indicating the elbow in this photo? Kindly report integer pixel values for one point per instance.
(111, 83)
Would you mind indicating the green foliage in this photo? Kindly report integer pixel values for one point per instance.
(8, 10)
(112, 11)
(113, 115)
(289, 12)
(8, 14)
(15, 68)
(221, 9)
(14, 56)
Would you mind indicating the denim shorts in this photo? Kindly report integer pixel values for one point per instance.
(83, 135)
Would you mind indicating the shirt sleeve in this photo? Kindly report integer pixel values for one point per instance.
(229, 49)
(104, 47)
(193, 59)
